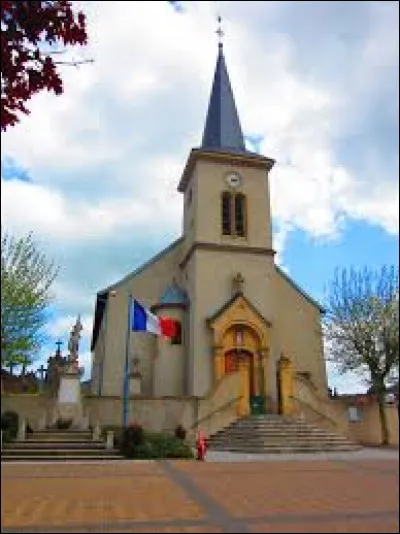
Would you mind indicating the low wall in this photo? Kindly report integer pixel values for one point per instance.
(211, 413)
(34, 408)
(333, 414)
(220, 408)
(154, 414)
(367, 430)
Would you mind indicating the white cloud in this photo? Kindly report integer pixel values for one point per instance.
(106, 156)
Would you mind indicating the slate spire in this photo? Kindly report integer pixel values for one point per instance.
(222, 130)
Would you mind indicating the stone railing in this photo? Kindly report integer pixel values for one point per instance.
(220, 407)
(310, 405)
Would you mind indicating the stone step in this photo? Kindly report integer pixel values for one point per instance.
(50, 458)
(69, 435)
(282, 434)
(227, 443)
(57, 452)
(283, 450)
(33, 444)
(266, 433)
(276, 426)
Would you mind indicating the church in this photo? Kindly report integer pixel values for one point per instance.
(238, 312)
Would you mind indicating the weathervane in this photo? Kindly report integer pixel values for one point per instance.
(220, 31)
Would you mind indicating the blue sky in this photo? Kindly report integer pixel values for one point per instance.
(316, 85)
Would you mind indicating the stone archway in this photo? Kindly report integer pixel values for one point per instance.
(241, 349)
(242, 333)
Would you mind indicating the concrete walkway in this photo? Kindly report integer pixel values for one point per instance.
(363, 454)
(348, 492)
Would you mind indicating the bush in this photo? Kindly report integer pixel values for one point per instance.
(9, 425)
(180, 432)
(132, 437)
(63, 424)
(159, 445)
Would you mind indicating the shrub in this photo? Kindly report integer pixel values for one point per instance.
(132, 437)
(63, 424)
(180, 432)
(167, 446)
(9, 425)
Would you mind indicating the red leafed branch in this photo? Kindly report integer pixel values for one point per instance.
(31, 34)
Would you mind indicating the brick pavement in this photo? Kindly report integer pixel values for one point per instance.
(181, 496)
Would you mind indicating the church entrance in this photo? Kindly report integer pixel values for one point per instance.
(241, 346)
(245, 361)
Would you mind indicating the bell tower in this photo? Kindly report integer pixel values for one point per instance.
(226, 224)
(224, 185)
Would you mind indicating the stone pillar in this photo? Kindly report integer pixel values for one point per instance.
(135, 384)
(264, 357)
(69, 402)
(244, 403)
(42, 421)
(110, 440)
(286, 385)
(219, 362)
(96, 432)
(22, 430)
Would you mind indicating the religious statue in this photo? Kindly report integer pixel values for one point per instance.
(237, 284)
(73, 343)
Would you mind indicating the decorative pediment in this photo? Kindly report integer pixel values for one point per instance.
(238, 310)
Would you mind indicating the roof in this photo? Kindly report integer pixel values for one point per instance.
(102, 296)
(228, 303)
(222, 129)
(173, 294)
(300, 290)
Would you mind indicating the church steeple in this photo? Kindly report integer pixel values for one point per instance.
(222, 131)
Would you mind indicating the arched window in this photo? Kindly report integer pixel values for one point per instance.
(177, 339)
(233, 215)
(226, 213)
(240, 215)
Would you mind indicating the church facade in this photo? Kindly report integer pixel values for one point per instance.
(238, 311)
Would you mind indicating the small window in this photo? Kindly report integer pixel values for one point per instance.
(190, 196)
(226, 214)
(353, 414)
(240, 215)
(177, 339)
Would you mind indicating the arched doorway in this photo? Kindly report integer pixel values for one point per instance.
(241, 342)
(242, 353)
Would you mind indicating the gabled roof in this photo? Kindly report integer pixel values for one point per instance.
(300, 290)
(222, 130)
(230, 302)
(102, 296)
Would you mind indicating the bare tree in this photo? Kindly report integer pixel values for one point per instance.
(362, 327)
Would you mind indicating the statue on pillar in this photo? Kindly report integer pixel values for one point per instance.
(237, 284)
(73, 345)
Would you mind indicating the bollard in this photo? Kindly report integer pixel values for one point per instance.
(96, 432)
(22, 430)
(110, 440)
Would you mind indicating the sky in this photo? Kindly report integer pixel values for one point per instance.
(94, 172)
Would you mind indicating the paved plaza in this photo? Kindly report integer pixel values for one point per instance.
(308, 493)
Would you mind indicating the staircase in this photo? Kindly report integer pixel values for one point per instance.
(58, 445)
(277, 434)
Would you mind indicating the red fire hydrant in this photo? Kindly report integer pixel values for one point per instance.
(201, 446)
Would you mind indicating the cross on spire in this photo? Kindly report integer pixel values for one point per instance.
(58, 343)
(220, 31)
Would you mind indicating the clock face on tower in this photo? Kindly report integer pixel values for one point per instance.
(233, 179)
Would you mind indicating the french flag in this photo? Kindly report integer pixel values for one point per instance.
(142, 320)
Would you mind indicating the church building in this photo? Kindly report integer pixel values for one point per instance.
(237, 310)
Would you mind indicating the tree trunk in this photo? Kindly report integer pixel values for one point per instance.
(383, 419)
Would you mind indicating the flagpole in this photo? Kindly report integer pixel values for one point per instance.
(126, 366)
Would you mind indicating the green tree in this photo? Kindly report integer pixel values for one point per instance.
(26, 277)
(362, 328)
